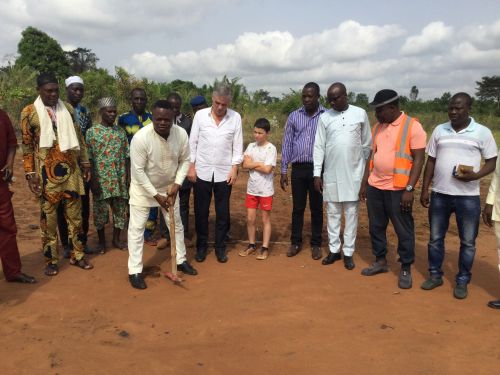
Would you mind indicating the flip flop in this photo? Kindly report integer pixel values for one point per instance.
(51, 269)
(82, 263)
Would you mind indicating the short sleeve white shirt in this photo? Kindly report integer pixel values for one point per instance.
(466, 147)
(261, 184)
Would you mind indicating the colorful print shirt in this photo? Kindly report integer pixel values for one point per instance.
(108, 150)
(132, 122)
(59, 172)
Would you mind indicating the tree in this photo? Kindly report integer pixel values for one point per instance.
(41, 53)
(489, 89)
(362, 100)
(261, 97)
(81, 60)
(413, 93)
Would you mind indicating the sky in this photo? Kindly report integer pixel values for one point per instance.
(438, 45)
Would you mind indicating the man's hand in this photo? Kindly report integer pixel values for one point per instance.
(487, 213)
(467, 175)
(34, 184)
(94, 186)
(233, 175)
(318, 184)
(87, 175)
(8, 172)
(424, 198)
(406, 201)
(191, 175)
(284, 181)
(162, 201)
(362, 191)
(172, 194)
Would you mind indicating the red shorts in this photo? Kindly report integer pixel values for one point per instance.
(265, 203)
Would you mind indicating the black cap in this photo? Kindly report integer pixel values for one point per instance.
(384, 97)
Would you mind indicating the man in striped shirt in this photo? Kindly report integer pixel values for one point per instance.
(297, 150)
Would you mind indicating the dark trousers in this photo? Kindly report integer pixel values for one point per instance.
(384, 205)
(62, 225)
(202, 197)
(302, 185)
(9, 253)
(467, 211)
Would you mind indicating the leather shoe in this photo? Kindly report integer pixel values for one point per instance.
(200, 255)
(348, 263)
(293, 250)
(331, 258)
(221, 256)
(23, 279)
(186, 268)
(405, 281)
(494, 304)
(137, 281)
(316, 252)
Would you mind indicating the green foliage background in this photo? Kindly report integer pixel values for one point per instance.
(39, 52)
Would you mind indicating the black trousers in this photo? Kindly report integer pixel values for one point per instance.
(202, 198)
(63, 225)
(302, 181)
(384, 205)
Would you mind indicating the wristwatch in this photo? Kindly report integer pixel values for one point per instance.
(409, 188)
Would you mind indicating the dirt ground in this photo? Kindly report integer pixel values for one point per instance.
(280, 316)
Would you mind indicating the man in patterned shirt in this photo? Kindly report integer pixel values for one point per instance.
(108, 150)
(74, 93)
(132, 122)
(55, 158)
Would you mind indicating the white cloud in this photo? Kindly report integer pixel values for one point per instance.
(432, 37)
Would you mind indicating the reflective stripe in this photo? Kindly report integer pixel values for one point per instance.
(406, 127)
(401, 171)
(404, 155)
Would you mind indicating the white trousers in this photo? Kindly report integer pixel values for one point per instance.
(497, 234)
(137, 224)
(334, 220)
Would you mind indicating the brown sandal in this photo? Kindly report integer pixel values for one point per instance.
(246, 252)
(263, 253)
(82, 263)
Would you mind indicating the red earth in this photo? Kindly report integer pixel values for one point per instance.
(279, 316)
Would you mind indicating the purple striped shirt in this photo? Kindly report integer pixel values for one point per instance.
(298, 140)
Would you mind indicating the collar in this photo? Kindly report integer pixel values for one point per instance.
(471, 127)
(319, 111)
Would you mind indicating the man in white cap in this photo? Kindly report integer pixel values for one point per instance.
(74, 95)
(108, 151)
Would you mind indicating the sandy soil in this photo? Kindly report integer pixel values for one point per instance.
(280, 316)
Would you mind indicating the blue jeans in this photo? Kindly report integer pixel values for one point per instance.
(467, 211)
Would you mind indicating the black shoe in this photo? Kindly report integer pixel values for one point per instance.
(221, 256)
(293, 250)
(137, 281)
(23, 279)
(348, 263)
(331, 258)
(186, 268)
(379, 266)
(201, 255)
(494, 304)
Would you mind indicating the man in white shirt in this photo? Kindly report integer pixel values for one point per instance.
(342, 143)
(460, 141)
(159, 161)
(216, 143)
